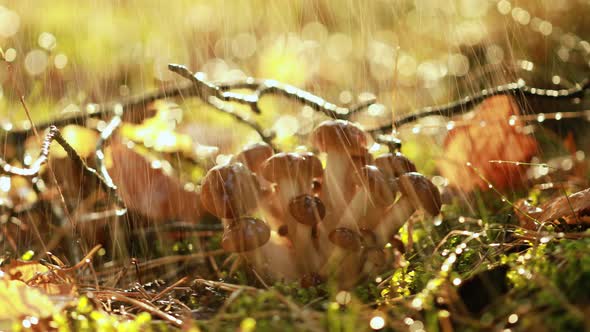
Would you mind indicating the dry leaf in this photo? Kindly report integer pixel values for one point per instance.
(148, 190)
(491, 134)
(17, 301)
(40, 276)
(573, 209)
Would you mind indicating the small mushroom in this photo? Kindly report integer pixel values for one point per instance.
(293, 175)
(422, 193)
(229, 191)
(394, 165)
(344, 262)
(372, 198)
(245, 234)
(254, 155)
(341, 141)
(417, 193)
(260, 247)
(307, 209)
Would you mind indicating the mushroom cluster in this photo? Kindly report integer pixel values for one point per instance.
(293, 219)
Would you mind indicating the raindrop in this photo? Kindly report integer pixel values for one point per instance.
(377, 323)
(9, 22)
(60, 61)
(10, 55)
(47, 41)
(458, 64)
(36, 62)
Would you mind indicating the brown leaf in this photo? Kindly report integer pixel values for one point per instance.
(487, 136)
(149, 191)
(574, 209)
(17, 301)
(40, 276)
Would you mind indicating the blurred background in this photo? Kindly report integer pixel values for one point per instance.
(62, 54)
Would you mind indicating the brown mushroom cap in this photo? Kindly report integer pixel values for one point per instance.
(345, 239)
(356, 163)
(421, 192)
(375, 183)
(341, 136)
(307, 209)
(254, 155)
(229, 191)
(313, 163)
(245, 234)
(287, 165)
(394, 164)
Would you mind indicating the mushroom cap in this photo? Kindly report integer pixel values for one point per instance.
(345, 239)
(339, 136)
(421, 192)
(307, 209)
(375, 183)
(254, 155)
(288, 166)
(356, 163)
(394, 164)
(245, 234)
(313, 163)
(229, 191)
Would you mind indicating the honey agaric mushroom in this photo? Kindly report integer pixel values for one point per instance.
(254, 155)
(341, 141)
(307, 209)
(245, 234)
(229, 191)
(344, 262)
(337, 232)
(293, 175)
(422, 193)
(372, 198)
(394, 165)
(265, 250)
(417, 193)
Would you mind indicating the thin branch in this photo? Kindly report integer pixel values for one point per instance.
(519, 91)
(261, 88)
(33, 171)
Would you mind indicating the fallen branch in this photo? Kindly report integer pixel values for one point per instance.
(54, 135)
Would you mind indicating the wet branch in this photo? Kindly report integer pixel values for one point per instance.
(519, 91)
(33, 171)
(261, 88)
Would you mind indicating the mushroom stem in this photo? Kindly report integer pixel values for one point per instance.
(298, 233)
(334, 193)
(343, 263)
(393, 220)
(355, 211)
(275, 259)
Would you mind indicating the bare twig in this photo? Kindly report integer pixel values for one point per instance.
(33, 171)
(118, 296)
(261, 88)
(519, 91)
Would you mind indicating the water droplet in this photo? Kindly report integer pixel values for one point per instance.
(377, 322)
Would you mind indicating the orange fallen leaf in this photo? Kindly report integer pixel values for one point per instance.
(17, 301)
(148, 190)
(39, 276)
(493, 132)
